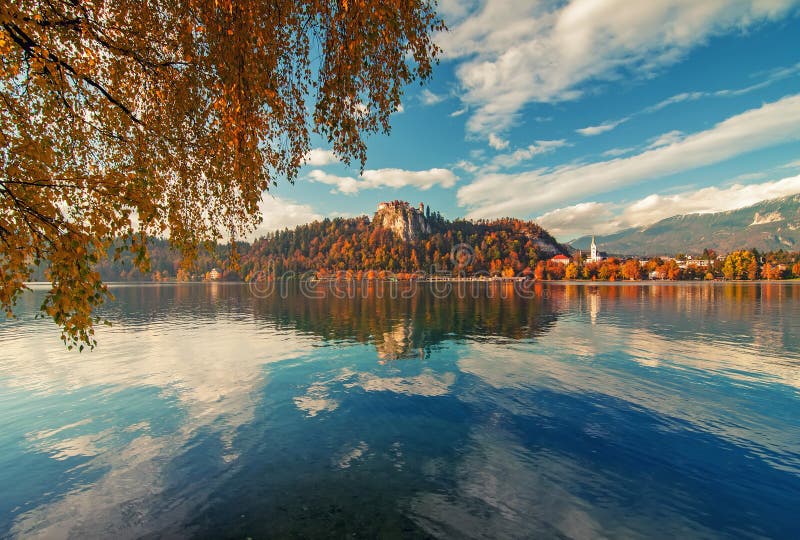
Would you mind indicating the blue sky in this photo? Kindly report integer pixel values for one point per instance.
(588, 116)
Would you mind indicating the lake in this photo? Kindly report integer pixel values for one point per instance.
(213, 410)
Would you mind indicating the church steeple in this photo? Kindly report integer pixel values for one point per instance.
(594, 250)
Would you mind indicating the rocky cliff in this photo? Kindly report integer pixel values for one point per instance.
(408, 223)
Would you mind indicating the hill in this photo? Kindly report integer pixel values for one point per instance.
(767, 226)
(398, 238)
(401, 238)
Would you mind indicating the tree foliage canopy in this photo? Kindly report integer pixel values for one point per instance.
(360, 245)
(128, 118)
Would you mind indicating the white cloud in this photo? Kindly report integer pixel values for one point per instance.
(467, 166)
(748, 177)
(504, 161)
(768, 78)
(280, 213)
(677, 98)
(765, 79)
(459, 112)
(343, 184)
(579, 219)
(496, 142)
(604, 218)
(319, 157)
(514, 52)
(393, 178)
(591, 131)
(483, 165)
(454, 10)
(791, 165)
(531, 191)
(429, 98)
(666, 139)
(477, 153)
(616, 152)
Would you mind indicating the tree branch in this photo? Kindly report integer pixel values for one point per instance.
(30, 46)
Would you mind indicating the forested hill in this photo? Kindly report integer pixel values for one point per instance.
(362, 244)
(398, 238)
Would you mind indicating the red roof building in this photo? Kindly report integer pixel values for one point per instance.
(561, 259)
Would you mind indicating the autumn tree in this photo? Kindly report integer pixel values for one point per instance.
(609, 270)
(672, 270)
(740, 265)
(554, 270)
(772, 271)
(539, 271)
(132, 118)
(631, 269)
(571, 271)
(729, 269)
(753, 268)
(590, 270)
(692, 271)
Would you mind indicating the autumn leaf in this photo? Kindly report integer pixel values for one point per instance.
(124, 120)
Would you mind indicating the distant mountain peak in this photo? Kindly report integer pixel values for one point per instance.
(768, 225)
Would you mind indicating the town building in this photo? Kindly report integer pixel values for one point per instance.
(214, 274)
(594, 254)
(561, 259)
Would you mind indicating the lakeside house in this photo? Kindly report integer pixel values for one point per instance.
(561, 259)
(214, 274)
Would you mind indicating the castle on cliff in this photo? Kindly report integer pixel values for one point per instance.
(397, 205)
(407, 222)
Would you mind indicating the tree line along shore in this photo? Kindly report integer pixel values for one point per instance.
(498, 256)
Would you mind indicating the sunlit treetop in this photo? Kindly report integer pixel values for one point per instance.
(126, 118)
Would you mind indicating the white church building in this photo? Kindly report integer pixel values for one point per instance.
(594, 255)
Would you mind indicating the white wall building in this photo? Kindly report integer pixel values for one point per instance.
(594, 255)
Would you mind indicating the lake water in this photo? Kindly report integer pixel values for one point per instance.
(580, 411)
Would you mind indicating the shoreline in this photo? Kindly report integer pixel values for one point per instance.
(498, 281)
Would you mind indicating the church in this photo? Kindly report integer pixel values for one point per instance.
(594, 255)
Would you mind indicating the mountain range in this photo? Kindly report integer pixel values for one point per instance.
(767, 226)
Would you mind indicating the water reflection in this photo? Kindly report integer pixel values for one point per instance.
(584, 411)
(409, 322)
